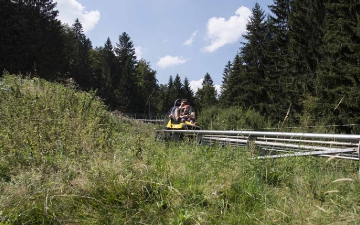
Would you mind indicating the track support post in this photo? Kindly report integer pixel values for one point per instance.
(250, 144)
(358, 150)
(199, 139)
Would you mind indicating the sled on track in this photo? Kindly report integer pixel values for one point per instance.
(172, 124)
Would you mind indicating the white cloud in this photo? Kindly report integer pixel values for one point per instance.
(221, 31)
(191, 39)
(139, 51)
(170, 61)
(70, 10)
(196, 84)
(217, 87)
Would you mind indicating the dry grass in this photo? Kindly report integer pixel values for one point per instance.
(71, 164)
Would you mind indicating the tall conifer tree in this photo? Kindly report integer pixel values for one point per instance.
(253, 54)
(178, 87)
(188, 92)
(170, 96)
(126, 92)
(238, 89)
(225, 77)
(30, 38)
(305, 38)
(147, 87)
(80, 62)
(206, 95)
(338, 77)
(107, 72)
(278, 101)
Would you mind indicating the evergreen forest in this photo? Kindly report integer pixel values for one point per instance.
(299, 63)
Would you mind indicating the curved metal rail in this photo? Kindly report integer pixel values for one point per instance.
(276, 144)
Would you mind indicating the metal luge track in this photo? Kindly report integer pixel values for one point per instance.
(277, 144)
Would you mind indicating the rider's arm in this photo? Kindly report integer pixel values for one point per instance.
(192, 113)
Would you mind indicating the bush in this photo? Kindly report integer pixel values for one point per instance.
(233, 118)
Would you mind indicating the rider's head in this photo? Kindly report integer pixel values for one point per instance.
(184, 101)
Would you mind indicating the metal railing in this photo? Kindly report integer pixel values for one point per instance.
(140, 116)
(275, 144)
(156, 121)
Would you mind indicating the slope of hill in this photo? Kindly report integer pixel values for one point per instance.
(64, 159)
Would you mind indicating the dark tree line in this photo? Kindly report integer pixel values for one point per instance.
(33, 42)
(29, 37)
(301, 60)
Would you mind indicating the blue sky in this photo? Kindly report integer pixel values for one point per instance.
(185, 37)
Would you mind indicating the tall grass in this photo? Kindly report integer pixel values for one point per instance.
(65, 160)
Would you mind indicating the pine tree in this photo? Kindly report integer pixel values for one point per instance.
(206, 95)
(147, 86)
(277, 69)
(170, 96)
(126, 92)
(30, 38)
(178, 87)
(108, 66)
(239, 87)
(338, 78)
(305, 38)
(225, 77)
(162, 101)
(253, 54)
(80, 66)
(188, 93)
(105, 71)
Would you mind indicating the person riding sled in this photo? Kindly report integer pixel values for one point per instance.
(176, 111)
(182, 116)
(186, 116)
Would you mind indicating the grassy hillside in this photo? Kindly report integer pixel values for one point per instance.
(65, 160)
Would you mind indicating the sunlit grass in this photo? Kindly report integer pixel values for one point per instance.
(64, 160)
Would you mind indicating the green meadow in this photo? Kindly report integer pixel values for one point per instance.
(65, 159)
